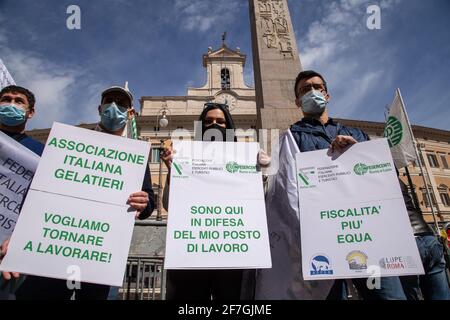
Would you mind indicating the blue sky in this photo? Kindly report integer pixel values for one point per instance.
(157, 46)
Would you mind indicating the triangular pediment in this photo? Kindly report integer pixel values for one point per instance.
(224, 51)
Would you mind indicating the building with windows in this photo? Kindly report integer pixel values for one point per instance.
(161, 116)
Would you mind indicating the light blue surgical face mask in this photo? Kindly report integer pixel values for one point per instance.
(112, 118)
(314, 102)
(12, 115)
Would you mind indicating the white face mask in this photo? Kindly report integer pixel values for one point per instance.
(314, 102)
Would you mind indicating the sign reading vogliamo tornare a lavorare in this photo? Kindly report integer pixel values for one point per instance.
(75, 223)
(217, 214)
(353, 218)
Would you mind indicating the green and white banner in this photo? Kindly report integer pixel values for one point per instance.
(17, 167)
(353, 218)
(217, 216)
(75, 223)
(398, 134)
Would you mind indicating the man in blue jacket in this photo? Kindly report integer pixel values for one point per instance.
(318, 131)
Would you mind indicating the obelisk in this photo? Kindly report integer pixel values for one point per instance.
(276, 63)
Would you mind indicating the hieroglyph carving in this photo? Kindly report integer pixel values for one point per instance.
(275, 27)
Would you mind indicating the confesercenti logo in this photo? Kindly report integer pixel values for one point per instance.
(234, 167)
(393, 131)
(362, 169)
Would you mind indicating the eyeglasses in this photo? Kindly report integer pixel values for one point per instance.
(215, 104)
(310, 86)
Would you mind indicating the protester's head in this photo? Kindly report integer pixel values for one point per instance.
(115, 108)
(16, 106)
(216, 119)
(311, 92)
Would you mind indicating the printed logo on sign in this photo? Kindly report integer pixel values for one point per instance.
(307, 178)
(234, 167)
(398, 262)
(320, 265)
(178, 172)
(362, 169)
(393, 131)
(357, 260)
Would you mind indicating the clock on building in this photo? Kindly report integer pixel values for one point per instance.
(227, 99)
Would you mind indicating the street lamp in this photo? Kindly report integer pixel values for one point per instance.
(162, 122)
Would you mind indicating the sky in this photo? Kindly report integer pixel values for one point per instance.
(157, 46)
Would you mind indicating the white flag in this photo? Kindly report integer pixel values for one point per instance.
(399, 135)
(5, 77)
(285, 281)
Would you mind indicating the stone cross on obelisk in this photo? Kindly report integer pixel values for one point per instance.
(276, 63)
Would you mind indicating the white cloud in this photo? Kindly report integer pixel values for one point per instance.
(54, 86)
(202, 16)
(338, 45)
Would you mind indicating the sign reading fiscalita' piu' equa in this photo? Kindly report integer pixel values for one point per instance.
(353, 218)
(216, 213)
(75, 223)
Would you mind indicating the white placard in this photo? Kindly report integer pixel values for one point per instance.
(217, 217)
(73, 228)
(17, 167)
(353, 218)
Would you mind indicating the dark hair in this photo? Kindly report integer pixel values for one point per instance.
(17, 89)
(305, 75)
(224, 108)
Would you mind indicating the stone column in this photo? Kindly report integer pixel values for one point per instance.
(276, 63)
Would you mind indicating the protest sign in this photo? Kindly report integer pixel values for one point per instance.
(217, 216)
(353, 218)
(17, 167)
(75, 223)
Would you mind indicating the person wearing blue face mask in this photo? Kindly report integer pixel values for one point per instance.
(114, 110)
(318, 131)
(16, 108)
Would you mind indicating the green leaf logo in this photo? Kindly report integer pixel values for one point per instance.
(360, 169)
(232, 167)
(393, 131)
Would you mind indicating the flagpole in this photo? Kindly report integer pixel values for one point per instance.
(419, 162)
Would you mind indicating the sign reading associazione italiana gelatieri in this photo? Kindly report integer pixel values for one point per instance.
(17, 167)
(75, 223)
(353, 218)
(217, 217)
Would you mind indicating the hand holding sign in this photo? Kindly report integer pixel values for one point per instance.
(7, 275)
(138, 201)
(341, 142)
